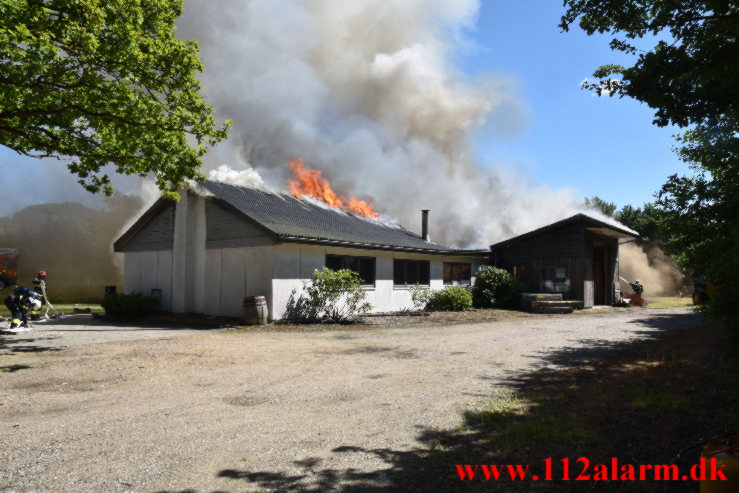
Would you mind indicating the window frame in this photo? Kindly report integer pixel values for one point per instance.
(358, 259)
(407, 262)
(459, 265)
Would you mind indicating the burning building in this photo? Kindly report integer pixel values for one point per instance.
(221, 243)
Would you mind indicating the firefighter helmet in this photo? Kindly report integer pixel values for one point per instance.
(41, 274)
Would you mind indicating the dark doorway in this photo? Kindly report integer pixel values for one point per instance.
(599, 276)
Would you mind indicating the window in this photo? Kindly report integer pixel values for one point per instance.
(408, 272)
(457, 274)
(554, 279)
(364, 266)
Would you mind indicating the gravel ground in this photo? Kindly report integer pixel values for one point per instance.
(248, 411)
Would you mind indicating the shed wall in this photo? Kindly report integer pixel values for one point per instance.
(144, 271)
(233, 274)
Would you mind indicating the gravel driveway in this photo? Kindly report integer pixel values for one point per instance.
(235, 411)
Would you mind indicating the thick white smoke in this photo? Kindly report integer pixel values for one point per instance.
(368, 93)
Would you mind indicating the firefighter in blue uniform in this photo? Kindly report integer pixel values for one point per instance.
(19, 302)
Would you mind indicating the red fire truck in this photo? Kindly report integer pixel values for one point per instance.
(8, 267)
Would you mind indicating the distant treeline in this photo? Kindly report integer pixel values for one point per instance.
(72, 243)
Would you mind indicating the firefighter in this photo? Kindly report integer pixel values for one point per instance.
(39, 286)
(13, 302)
(19, 302)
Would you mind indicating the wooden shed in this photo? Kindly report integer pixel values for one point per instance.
(577, 257)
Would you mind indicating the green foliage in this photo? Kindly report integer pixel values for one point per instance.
(495, 287)
(607, 208)
(132, 305)
(701, 223)
(644, 220)
(451, 298)
(330, 295)
(690, 82)
(696, 64)
(420, 296)
(104, 82)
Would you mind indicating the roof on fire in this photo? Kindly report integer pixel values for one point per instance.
(292, 219)
(286, 218)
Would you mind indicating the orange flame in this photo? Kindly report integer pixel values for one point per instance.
(309, 182)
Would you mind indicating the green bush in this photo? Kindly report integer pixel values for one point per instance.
(495, 287)
(419, 296)
(129, 305)
(451, 298)
(330, 295)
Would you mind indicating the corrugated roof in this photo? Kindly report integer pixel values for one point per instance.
(292, 219)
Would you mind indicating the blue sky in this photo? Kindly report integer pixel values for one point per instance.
(599, 146)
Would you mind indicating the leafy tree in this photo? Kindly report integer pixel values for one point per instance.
(597, 203)
(689, 79)
(103, 82)
(644, 220)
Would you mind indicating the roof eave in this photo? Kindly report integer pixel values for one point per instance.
(373, 246)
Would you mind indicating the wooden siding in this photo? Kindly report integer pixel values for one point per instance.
(562, 242)
(224, 229)
(156, 235)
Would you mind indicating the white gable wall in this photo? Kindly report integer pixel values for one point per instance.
(233, 274)
(144, 271)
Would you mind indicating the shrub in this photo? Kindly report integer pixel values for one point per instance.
(495, 287)
(451, 298)
(129, 305)
(330, 295)
(420, 296)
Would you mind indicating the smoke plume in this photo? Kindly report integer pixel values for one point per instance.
(71, 242)
(652, 267)
(367, 92)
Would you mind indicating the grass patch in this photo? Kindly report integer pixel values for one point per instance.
(547, 428)
(512, 415)
(644, 398)
(65, 308)
(669, 302)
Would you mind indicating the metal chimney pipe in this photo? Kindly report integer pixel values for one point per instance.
(425, 224)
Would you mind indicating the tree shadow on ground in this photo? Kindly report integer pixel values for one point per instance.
(640, 401)
(22, 343)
